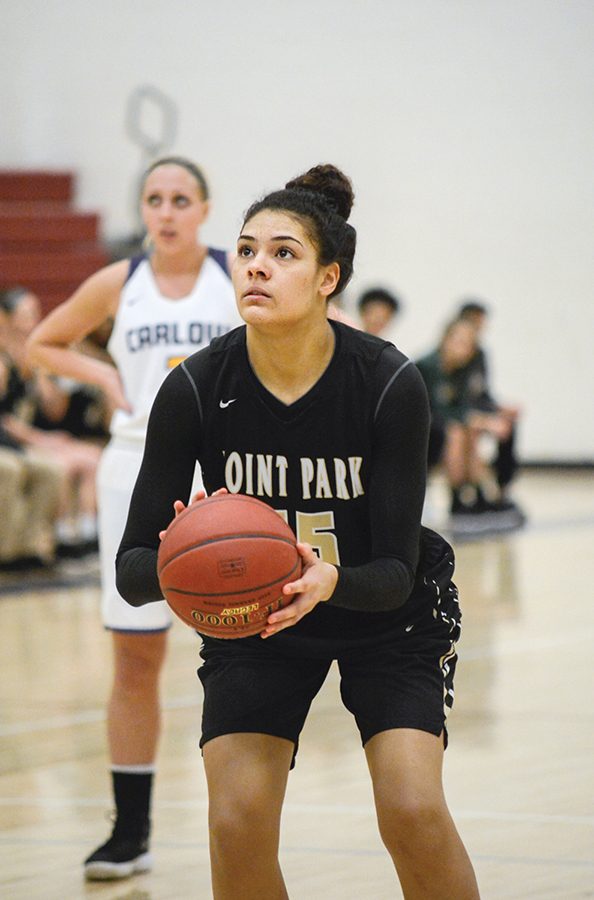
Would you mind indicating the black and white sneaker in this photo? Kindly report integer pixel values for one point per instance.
(119, 857)
(503, 515)
(485, 519)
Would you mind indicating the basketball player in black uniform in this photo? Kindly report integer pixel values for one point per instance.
(329, 426)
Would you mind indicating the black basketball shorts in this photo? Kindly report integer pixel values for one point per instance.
(400, 676)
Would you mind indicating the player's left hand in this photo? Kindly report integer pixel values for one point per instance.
(316, 584)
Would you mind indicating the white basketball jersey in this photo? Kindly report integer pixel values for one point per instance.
(152, 334)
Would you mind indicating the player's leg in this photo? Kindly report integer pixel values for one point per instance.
(399, 686)
(133, 727)
(256, 699)
(133, 714)
(456, 454)
(247, 778)
(414, 821)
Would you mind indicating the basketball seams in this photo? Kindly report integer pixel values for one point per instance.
(281, 580)
(242, 498)
(223, 538)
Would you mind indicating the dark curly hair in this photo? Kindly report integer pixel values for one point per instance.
(322, 200)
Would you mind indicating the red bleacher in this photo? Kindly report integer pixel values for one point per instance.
(46, 244)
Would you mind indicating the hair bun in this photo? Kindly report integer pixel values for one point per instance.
(329, 181)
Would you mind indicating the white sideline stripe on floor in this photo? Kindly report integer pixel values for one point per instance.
(309, 808)
(538, 861)
(83, 718)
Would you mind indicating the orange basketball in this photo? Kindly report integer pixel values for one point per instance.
(223, 562)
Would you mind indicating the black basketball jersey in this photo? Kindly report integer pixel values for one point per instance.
(345, 464)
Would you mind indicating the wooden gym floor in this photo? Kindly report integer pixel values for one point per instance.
(519, 771)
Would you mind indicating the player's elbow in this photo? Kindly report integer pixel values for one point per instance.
(136, 576)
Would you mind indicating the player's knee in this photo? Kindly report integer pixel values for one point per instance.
(411, 821)
(138, 661)
(239, 824)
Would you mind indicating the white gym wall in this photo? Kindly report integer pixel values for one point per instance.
(466, 126)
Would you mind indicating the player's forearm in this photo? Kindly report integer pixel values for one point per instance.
(378, 586)
(70, 363)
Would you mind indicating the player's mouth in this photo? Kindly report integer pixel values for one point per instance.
(167, 233)
(254, 293)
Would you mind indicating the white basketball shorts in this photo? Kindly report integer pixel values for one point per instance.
(116, 477)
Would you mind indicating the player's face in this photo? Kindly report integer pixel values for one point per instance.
(376, 316)
(460, 345)
(172, 208)
(276, 274)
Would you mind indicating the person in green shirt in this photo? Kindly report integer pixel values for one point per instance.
(458, 419)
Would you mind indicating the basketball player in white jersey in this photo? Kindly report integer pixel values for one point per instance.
(164, 307)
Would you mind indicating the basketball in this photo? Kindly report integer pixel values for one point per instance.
(223, 562)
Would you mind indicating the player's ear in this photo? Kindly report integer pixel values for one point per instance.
(330, 278)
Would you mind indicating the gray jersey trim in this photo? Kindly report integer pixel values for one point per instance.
(388, 386)
(194, 389)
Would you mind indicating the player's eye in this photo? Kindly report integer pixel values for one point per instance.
(285, 253)
(152, 199)
(244, 250)
(181, 201)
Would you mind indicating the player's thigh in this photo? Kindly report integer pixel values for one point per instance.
(406, 769)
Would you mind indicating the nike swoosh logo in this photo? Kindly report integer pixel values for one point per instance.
(409, 627)
(225, 403)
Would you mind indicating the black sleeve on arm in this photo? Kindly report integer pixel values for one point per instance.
(166, 473)
(396, 495)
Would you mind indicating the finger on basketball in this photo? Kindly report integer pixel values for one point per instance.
(178, 507)
(281, 622)
(201, 495)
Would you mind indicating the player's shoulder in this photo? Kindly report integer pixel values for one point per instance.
(221, 258)
(221, 348)
(135, 265)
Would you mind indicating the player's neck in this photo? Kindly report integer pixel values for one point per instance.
(287, 367)
(184, 262)
(176, 274)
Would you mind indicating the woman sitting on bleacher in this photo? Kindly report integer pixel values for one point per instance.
(25, 398)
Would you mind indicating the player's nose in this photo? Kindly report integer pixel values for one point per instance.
(258, 265)
(166, 209)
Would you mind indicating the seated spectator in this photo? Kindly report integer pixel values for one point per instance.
(378, 309)
(456, 427)
(29, 498)
(505, 462)
(26, 396)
